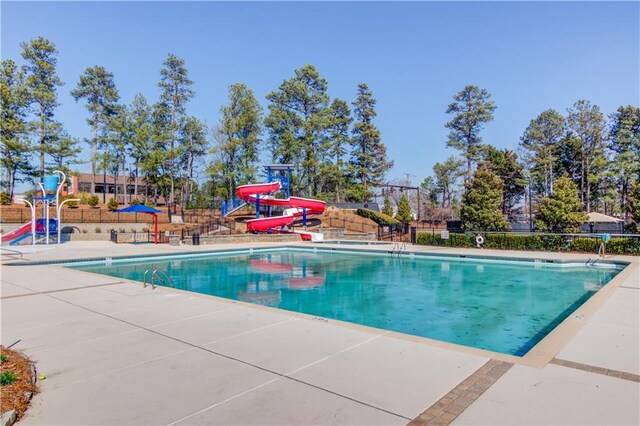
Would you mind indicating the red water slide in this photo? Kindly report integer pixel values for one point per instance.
(264, 191)
(18, 232)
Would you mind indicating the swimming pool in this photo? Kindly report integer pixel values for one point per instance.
(501, 305)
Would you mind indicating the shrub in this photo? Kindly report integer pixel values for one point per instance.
(93, 200)
(534, 242)
(112, 204)
(4, 358)
(71, 204)
(133, 202)
(7, 377)
(5, 198)
(379, 218)
(404, 209)
(562, 210)
(481, 203)
(84, 197)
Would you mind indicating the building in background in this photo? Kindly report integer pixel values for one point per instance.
(106, 186)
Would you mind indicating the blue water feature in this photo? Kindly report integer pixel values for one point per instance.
(505, 307)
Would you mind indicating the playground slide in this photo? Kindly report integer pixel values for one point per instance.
(262, 193)
(16, 233)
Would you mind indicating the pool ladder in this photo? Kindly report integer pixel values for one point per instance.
(399, 248)
(160, 276)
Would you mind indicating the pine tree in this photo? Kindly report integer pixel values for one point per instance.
(482, 202)
(240, 128)
(404, 209)
(141, 138)
(633, 206)
(42, 58)
(472, 108)
(387, 206)
(97, 87)
(447, 175)
(369, 155)
(64, 152)
(193, 139)
(541, 141)
(624, 142)
(176, 91)
(296, 124)
(118, 139)
(562, 210)
(587, 124)
(504, 163)
(14, 98)
(334, 169)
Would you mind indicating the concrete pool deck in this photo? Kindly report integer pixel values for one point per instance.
(117, 353)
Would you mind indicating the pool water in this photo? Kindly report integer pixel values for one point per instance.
(505, 307)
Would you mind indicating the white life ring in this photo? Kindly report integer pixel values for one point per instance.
(479, 240)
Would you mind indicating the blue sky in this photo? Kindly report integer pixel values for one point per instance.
(414, 55)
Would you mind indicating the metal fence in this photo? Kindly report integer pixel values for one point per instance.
(220, 225)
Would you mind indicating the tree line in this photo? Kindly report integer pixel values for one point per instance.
(335, 147)
(598, 155)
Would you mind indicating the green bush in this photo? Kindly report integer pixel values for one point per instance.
(5, 198)
(7, 377)
(379, 218)
(84, 197)
(133, 202)
(93, 200)
(534, 242)
(455, 240)
(112, 204)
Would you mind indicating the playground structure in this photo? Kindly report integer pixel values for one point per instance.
(279, 178)
(263, 193)
(44, 228)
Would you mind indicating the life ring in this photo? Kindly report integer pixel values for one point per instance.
(479, 240)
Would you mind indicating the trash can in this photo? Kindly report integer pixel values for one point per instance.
(196, 238)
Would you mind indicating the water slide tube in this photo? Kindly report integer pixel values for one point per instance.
(263, 191)
(16, 233)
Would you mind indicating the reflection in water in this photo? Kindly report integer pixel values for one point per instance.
(501, 307)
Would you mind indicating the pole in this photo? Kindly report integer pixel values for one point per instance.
(32, 207)
(530, 203)
(60, 185)
(59, 215)
(45, 205)
(155, 233)
(257, 206)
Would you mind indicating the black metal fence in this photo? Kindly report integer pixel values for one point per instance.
(220, 225)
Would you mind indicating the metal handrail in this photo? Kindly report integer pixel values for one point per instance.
(11, 252)
(161, 275)
(144, 278)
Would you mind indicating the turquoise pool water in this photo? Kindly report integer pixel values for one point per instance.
(501, 306)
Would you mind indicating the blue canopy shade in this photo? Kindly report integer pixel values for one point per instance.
(138, 208)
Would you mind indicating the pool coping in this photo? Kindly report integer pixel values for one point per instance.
(538, 356)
